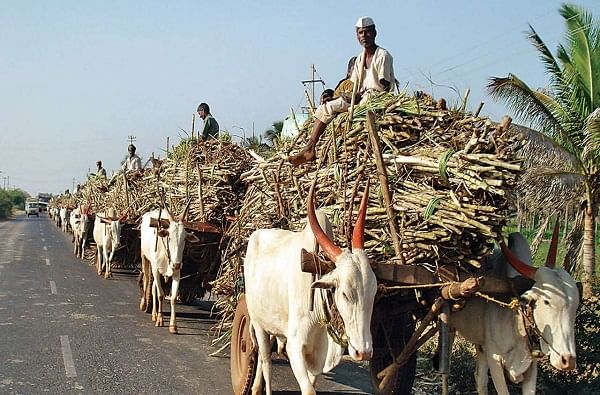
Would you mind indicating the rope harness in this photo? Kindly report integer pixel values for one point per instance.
(525, 311)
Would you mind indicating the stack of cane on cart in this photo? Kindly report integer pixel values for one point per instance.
(206, 174)
(441, 188)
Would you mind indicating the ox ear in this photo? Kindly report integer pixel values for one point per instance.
(163, 233)
(191, 238)
(326, 282)
(123, 218)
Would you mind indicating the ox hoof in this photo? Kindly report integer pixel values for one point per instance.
(159, 321)
(107, 275)
(143, 305)
(173, 329)
(153, 317)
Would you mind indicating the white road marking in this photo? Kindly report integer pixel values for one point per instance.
(67, 357)
(47, 262)
(53, 287)
(43, 239)
(45, 248)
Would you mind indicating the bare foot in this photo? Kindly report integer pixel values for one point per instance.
(307, 154)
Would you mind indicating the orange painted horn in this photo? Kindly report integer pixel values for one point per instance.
(329, 248)
(520, 266)
(551, 260)
(185, 211)
(358, 235)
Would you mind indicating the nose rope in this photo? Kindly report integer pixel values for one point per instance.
(526, 312)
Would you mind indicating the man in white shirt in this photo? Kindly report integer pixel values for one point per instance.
(132, 161)
(373, 72)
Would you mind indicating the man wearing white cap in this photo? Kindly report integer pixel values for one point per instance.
(373, 73)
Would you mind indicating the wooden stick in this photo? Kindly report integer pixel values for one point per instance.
(383, 178)
(387, 374)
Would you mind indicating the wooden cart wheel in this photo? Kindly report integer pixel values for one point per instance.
(243, 356)
(392, 331)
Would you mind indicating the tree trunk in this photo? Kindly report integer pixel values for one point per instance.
(566, 222)
(589, 259)
(537, 240)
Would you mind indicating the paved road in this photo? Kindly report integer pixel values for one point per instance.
(65, 330)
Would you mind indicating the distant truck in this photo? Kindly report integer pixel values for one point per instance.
(32, 208)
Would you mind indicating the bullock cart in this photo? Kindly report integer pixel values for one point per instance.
(202, 175)
(442, 183)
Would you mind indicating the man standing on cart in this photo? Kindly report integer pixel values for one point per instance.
(373, 72)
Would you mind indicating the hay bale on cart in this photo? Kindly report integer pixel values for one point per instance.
(442, 184)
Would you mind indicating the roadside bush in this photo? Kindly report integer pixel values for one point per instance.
(5, 204)
(18, 198)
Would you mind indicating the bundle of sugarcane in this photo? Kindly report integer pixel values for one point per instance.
(443, 182)
(208, 174)
(205, 173)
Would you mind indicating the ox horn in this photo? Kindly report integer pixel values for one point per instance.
(186, 210)
(551, 260)
(358, 235)
(168, 212)
(329, 248)
(520, 266)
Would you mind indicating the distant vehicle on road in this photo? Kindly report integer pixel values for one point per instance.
(32, 208)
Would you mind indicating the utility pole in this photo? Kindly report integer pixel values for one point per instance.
(73, 187)
(131, 139)
(312, 81)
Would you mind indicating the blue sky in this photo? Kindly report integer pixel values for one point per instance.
(78, 77)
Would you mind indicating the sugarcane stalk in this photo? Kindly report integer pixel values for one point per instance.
(384, 183)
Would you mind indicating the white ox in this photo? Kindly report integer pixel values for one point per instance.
(80, 226)
(162, 247)
(500, 334)
(107, 235)
(278, 298)
(65, 215)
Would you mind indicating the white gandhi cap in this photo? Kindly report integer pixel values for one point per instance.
(365, 21)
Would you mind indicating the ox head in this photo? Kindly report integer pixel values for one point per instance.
(113, 227)
(554, 298)
(176, 234)
(85, 212)
(352, 280)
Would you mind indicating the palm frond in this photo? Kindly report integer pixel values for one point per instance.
(542, 187)
(542, 150)
(522, 101)
(591, 134)
(545, 55)
(583, 54)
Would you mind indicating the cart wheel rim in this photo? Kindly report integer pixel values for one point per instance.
(243, 356)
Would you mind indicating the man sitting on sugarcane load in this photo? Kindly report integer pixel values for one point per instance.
(211, 126)
(132, 162)
(373, 72)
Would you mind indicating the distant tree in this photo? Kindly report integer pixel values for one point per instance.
(273, 134)
(256, 144)
(5, 204)
(568, 114)
(18, 198)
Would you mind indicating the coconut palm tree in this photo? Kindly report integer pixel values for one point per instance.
(568, 112)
